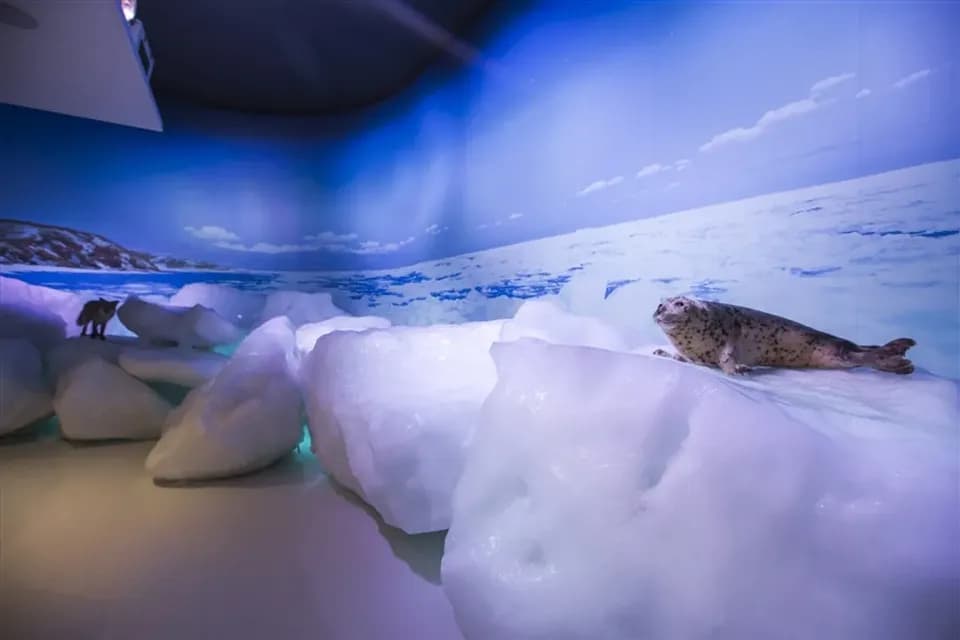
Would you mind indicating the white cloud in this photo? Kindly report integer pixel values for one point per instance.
(780, 114)
(499, 223)
(323, 241)
(265, 247)
(863, 93)
(378, 247)
(233, 246)
(600, 185)
(330, 237)
(906, 81)
(831, 82)
(432, 230)
(681, 164)
(268, 247)
(672, 185)
(212, 233)
(593, 186)
(815, 100)
(652, 170)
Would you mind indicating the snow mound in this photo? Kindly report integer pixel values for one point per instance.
(194, 326)
(242, 420)
(275, 336)
(40, 327)
(548, 322)
(97, 400)
(627, 307)
(391, 411)
(187, 368)
(243, 308)
(41, 315)
(301, 308)
(308, 334)
(73, 352)
(184, 367)
(612, 496)
(24, 394)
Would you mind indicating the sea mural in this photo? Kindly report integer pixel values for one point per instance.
(602, 157)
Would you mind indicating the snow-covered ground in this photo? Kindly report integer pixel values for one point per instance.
(871, 259)
(595, 493)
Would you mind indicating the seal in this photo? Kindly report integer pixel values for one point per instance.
(735, 339)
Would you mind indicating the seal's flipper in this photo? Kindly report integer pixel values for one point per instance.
(899, 347)
(889, 357)
(728, 360)
(661, 353)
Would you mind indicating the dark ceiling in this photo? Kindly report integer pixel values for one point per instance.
(306, 56)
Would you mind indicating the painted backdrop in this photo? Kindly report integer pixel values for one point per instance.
(799, 158)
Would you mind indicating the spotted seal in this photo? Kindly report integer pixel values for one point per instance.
(737, 338)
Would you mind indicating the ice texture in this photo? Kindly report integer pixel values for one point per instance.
(609, 495)
(243, 308)
(391, 412)
(299, 307)
(308, 334)
(75, 351)
(24, 394)
(195, 326)
(97, 400)
(37, 314)
(40, 327)
(245, 418)
(184, 367)
(547, 321)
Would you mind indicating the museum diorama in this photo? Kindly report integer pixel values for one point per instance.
(479, 319)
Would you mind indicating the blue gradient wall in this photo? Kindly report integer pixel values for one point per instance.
(572, 114)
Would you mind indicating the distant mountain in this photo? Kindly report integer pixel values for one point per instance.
(171, 263)
(31, 243)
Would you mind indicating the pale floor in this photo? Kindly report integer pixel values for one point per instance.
(90, 548)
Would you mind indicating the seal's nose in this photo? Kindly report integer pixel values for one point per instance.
(658, 311)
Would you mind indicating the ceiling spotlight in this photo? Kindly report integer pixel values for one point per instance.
(129, 9)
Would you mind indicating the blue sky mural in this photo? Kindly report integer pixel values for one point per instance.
(571, 115)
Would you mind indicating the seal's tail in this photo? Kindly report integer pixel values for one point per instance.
(890, 357)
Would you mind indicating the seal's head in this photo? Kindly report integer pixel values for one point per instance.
(679, 311)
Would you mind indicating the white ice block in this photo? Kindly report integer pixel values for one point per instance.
(245, 418)
(620, 496)
(25, 396)
(391, 413)
(98, 400)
